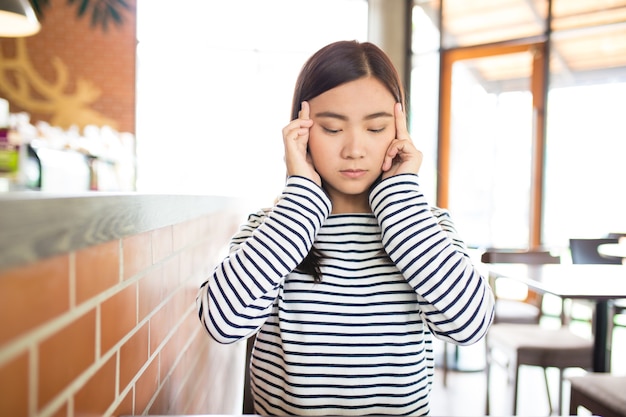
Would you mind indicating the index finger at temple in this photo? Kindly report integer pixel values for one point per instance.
(402, 131)
(305, 110)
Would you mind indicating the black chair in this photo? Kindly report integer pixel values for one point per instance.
(248, 400)
(618, 306)
(523, 341)
(585, 251)
(616, 235)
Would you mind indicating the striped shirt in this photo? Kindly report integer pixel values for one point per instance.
(360, 341)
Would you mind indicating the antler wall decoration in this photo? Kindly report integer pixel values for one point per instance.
(22, 85)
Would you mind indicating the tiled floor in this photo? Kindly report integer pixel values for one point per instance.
(464, 394)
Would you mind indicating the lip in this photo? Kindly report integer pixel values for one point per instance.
(353, 173)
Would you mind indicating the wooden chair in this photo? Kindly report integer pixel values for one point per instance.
(534, 345)
(600, 393)
(527, 342)
(527, 310)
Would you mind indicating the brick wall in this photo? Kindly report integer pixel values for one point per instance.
(112, 329)
(104, 59)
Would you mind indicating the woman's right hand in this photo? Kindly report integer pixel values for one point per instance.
(296, 140)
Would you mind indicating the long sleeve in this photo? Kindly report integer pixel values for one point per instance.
(455, 299)
(237, 298)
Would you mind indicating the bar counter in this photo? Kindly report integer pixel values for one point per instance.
(97, 305)
(35, 225)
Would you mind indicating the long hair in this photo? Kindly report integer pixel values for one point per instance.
(333, 65)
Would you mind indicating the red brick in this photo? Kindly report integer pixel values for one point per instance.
(33, 294)
(97, 269)
(118, 317)
(161, 243)
(14, 387)
(65, 355)
(95, 397)
(125, 408)
(137, 254)
(146, 386)
(133, 355)
(150, 292)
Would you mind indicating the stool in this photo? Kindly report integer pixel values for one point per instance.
(603, 394)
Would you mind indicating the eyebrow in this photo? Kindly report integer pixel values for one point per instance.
(330, 114)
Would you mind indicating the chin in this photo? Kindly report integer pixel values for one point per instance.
(356, 190)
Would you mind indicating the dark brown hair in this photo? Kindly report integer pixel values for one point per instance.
(333, 65)
(341, 62)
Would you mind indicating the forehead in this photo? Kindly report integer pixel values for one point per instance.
(356, 99)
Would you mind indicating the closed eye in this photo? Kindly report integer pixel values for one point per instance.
(377, 130)
(331, 131)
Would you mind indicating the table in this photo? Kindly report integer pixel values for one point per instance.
(597, 283)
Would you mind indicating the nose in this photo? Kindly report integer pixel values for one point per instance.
(353, 146)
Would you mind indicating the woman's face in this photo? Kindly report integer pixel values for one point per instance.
(353, 125)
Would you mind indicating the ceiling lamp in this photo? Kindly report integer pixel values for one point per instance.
(17, 19)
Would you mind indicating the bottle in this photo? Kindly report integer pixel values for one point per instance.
(13, 153)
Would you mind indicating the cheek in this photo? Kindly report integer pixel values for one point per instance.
(382, 146)
(313, 146)
(320, 144)
(318, 149)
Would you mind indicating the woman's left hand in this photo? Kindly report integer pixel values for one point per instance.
(402, 156)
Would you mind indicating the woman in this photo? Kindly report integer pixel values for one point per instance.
(345, 280)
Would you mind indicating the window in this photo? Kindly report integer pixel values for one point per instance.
(586, 133)
(513, 174)
(214, 88)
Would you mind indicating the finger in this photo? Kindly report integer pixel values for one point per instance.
(304, 120)
(392, 153)
(305, 111)
(297, 128)
(402, 131)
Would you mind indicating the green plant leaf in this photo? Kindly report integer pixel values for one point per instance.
(83, 7)
(101, 12)
(39, 6)
(95, 18)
